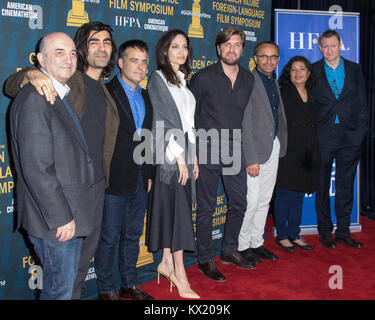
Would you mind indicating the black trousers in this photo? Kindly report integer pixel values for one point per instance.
(235, 189)
(90, 242)
(334, 145)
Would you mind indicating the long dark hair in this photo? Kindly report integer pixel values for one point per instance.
(81, 41)
(284, 79)
(162, 56)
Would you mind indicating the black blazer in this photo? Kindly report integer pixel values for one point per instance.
(351, 106)
(298, 170)
(124, 171)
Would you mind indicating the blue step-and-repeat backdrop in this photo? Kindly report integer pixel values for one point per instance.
(297, 33)
(24, 22)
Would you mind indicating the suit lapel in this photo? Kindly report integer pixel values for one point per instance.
(328, 85)
(148, 109)
(123, 102)
(263, 92)
(111, 104)
(282, 116)
(67, 118)
(347, 77)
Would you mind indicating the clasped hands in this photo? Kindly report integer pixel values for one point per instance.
(184, 171)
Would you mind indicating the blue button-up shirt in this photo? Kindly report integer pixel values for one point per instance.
(136, 102)
(336, 78)
(273, 96)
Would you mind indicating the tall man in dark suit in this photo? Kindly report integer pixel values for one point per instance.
(126, 196)
(55, 171)
(342, 124)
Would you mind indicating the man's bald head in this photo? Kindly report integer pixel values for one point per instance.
(57, 56)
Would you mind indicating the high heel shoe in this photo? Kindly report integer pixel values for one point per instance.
(189, 294)
(161, 271)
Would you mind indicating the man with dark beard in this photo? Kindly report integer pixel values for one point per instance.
(97, 114)
(222, 91)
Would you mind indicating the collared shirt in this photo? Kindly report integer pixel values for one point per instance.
(136, 102)
(61, 89)
(185, 103)
(336, 78)
(219, 105)
(273, 96)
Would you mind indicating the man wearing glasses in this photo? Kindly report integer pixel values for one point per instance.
(264, 137)
(340, 99)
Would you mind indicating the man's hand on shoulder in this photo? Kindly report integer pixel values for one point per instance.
(42, 83)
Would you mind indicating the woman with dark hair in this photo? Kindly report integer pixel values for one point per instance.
(169, 223)
(297, 173)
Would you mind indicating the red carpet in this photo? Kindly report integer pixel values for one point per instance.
(300, 275)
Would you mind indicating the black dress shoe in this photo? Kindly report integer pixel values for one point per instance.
(134, 293)
(301, 246)
(263, 253)
(109, 296)
(249, 256)
(211, 272)
(349, 242)
(327, 241)
(237, 260)
(289, 249)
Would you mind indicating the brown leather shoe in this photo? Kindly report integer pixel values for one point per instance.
(237, 260)
(109, 296)
(134, 293)
(327, 241)
(349, 242)
(211, 272)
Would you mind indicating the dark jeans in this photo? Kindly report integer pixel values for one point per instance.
(235, 189)
(288, 213)
(60, 265)
(346, 156)
(123, 222)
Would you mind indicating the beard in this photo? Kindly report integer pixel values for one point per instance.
(230, 61)
(97, 62)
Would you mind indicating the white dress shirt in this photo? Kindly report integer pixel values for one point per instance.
(61, 89)
(185, 103)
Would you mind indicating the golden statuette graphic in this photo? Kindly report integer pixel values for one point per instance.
(252, 64)
(195, 28)
(77, 16)
(144, 256)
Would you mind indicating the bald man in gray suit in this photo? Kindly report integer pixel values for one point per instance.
(55, 174)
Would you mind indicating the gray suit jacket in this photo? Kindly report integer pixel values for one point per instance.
(258, 125)
(55, 173)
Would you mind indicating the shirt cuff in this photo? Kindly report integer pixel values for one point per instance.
(173, 149)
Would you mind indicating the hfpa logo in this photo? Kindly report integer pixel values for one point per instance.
(307, 40)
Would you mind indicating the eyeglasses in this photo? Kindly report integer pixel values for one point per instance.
(265, 57)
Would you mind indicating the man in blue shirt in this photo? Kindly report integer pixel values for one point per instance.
(126, 196)
(339, 93)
